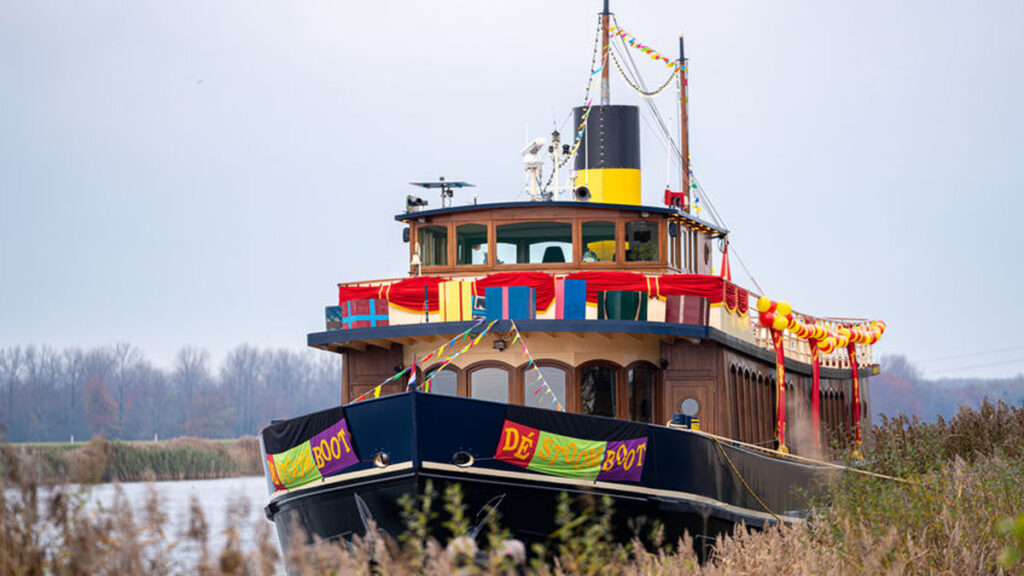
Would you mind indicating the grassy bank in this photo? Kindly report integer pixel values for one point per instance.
(101, 460)
(958, 510)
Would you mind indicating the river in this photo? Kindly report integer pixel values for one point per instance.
(238, 501)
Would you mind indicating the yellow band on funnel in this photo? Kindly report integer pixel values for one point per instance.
(611, 185)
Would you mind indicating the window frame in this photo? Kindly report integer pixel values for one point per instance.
(570, 376)
(477, 366)
(491, 258)
(572, 260)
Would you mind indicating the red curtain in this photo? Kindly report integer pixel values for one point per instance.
(709, 287)
(408, 293)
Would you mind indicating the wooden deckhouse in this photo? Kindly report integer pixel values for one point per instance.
(722, 365)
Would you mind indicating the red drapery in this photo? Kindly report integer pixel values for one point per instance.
(409, 293)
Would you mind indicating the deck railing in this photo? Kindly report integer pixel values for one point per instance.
(747, 328)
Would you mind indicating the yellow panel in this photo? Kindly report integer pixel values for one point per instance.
(456, 301)
(611, 185)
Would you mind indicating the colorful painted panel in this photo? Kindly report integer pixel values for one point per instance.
(570, 457)
(323, 455)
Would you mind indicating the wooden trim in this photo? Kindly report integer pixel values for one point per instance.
(656, 378)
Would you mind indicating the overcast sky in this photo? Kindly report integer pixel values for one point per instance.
(204, 173)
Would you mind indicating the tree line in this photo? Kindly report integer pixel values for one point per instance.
(115, 391)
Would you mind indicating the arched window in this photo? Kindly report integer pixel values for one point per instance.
(597, 391)
(489, 383)
(445, 381)
(641, 393)
(534, 394)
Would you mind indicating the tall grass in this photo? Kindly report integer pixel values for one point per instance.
(959, 514)
(101, 460)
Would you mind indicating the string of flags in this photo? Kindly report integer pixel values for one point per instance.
(532, 369)
(594, 72)
(634, 42)
(375, 393)
(456, 354)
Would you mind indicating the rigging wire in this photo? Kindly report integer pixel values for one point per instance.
(581, 131)
(973, 354)
(973, 366)
(665, 137)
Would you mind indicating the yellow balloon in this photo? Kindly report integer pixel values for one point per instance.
(764, 304)
(781, 323)
(784, 308)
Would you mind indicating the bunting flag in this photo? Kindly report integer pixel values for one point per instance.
(533, 370)
(634, 42)
(375, 393)
(461, 351)
(412, 374)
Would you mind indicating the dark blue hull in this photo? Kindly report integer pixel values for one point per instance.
(689, 481)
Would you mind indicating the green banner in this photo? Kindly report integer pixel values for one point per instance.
(296, 466)
(567, 456)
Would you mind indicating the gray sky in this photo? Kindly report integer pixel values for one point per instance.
(204, 173)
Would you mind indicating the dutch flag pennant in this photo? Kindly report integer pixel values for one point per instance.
(412, 375)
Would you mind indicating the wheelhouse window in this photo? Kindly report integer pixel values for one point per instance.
(445, 382)
(534, 393)
(597, 391)
(598, 241)
(641, 394)
(471, 244)
(433, 245)
(489, 384)
(534, 242)
(641, 241)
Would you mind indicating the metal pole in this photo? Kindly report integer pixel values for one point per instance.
(684, 130)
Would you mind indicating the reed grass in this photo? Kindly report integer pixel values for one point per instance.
(101, 460)
(960, 515)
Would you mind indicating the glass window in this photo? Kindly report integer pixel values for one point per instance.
(534, 242)
(641, 241)
(599, 242)
(641, 395)
(433, 245)
(489, 384)
(534, 390)
(444, 382)
(471, 244)
(597, 392)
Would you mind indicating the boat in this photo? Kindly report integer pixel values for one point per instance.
(576, 342)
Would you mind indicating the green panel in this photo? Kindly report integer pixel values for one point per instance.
(567, 456)
(621, 305)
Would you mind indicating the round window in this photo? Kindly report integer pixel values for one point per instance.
(690, 407)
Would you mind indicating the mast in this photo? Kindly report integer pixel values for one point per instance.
(605, 90)
(684, 130)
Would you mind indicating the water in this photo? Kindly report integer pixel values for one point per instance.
(216, 498)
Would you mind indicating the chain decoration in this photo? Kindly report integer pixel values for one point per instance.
(636, 88)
